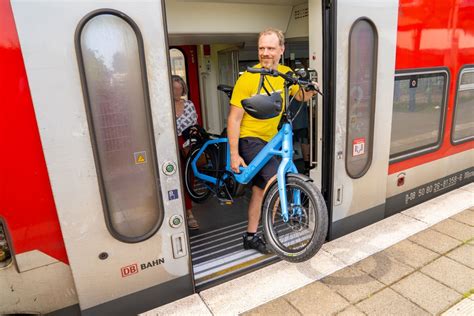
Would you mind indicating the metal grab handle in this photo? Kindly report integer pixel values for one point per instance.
(312, 143)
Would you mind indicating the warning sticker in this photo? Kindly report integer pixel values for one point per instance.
(358, 146)
(139, 157)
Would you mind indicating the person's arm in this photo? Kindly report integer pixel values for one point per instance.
(233, 132)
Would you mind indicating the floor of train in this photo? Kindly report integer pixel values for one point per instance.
(216, 248)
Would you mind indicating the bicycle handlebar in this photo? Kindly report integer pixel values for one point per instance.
(263, 71)
(289, 77)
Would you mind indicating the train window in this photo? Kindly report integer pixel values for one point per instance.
(111, 58)
(418, 113)
(178, 63)
(5, 253)
(463, 124)
(361, 97)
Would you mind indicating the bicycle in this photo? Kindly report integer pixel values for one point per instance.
(294, 214)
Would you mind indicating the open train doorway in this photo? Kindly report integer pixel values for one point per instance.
(216, 247)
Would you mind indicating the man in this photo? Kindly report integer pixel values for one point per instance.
(248, 135)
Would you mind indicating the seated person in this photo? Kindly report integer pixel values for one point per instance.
(186, 116)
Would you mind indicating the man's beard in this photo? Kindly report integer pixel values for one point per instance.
(268, 63)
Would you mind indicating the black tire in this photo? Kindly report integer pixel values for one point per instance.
(302, 236)
(197, 189)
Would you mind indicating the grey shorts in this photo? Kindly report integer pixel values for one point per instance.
(249, 147)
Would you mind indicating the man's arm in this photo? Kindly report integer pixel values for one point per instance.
(233, 132)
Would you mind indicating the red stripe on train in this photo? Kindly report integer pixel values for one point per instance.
(26, 199)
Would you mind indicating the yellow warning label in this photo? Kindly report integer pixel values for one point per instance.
(140, 157)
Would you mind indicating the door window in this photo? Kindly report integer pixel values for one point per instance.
(361, 97)
(178, 63)
(114, 79)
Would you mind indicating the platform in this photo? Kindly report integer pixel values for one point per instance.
(420, 261)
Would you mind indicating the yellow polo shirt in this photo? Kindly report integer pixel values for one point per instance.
(246, 87)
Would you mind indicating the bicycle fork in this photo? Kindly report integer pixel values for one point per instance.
(287, 166)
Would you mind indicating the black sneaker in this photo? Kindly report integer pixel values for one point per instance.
(257, 243)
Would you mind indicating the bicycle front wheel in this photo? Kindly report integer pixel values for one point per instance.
(198, 189)
(302, 235)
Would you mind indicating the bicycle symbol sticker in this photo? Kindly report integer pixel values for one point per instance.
(358, 146)
(173, 194)
(139, 157)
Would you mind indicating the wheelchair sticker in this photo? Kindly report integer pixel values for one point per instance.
(172, 194)
(358, 146)
(139, 157)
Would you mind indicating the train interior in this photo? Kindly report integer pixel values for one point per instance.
(205, 59)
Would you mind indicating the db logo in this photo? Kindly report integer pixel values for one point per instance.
(129, 270)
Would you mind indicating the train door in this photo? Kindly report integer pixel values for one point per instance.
(99, 78)
(364, 42)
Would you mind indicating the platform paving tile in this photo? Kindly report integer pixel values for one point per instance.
(411, 254)
(463, 254)
(351, 311)
(455, 229)
(426, 292)
(353, 284)
(465, 217)
(451, 273)
(388, 302)
(435, 241)
(384, 268)
(277, 307)
(317, 299)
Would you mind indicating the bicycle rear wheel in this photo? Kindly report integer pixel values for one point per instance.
(198, 189)
(301, 237)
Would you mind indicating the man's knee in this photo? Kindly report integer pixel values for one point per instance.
(269, 183)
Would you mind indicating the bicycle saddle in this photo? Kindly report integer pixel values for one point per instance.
(263, 106)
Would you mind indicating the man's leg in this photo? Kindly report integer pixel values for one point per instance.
(249, 148)
(251, 240)
(255, 207)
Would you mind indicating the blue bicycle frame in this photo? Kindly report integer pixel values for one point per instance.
(280, 145)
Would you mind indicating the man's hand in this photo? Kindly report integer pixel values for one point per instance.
(308, 92)
(313, 87)
(235, 162)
